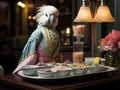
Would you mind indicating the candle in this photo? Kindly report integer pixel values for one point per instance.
(78, 29)
(77, 57)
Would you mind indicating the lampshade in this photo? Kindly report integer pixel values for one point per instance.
(103, 14)
(84, 15)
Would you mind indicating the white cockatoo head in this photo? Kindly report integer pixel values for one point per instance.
(47, 15)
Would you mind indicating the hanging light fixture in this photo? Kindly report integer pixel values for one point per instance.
(84, 14)
(103, 14)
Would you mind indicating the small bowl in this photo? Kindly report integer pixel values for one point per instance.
(95, 68)
(46, 73)
(79, 70)
(61, 73)
(30, 69)
(62, 70)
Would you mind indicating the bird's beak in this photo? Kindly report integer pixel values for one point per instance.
(52, 19)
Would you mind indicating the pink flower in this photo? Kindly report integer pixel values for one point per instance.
(111, 42)
(115, 35)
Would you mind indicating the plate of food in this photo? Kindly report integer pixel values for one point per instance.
(55, 73)
(94, 60)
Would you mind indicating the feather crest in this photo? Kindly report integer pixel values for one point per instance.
(39, 13)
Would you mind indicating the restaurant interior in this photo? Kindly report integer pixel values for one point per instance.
(17, 22)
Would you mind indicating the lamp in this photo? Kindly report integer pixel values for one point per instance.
(84, 14)
(102, 14)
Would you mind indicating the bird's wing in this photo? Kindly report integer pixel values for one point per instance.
(29, 55)
(31, 45)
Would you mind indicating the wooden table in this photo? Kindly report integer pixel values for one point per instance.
(93, 81)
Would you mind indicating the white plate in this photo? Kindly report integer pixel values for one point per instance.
(108, 69)
(90, 60)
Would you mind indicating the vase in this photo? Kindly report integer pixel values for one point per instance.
(112, 59)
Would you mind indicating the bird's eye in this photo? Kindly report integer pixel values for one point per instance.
(46, 14)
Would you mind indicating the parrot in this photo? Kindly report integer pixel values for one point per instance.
(44, 42)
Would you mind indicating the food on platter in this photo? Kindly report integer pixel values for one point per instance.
(45, 70)
(60, 67)
(79, 70)
(80, 65)
(105, 69)
(97, 61)
(46, 73)
(63, 70)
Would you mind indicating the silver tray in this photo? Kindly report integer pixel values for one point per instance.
(36, 77)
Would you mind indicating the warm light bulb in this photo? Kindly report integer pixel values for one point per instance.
(23, 5)
(33, 17)
(19, 3)
(29, 17)
(68, 30)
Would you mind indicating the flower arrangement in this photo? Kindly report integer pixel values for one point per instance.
(111, 45)
(111, 42)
